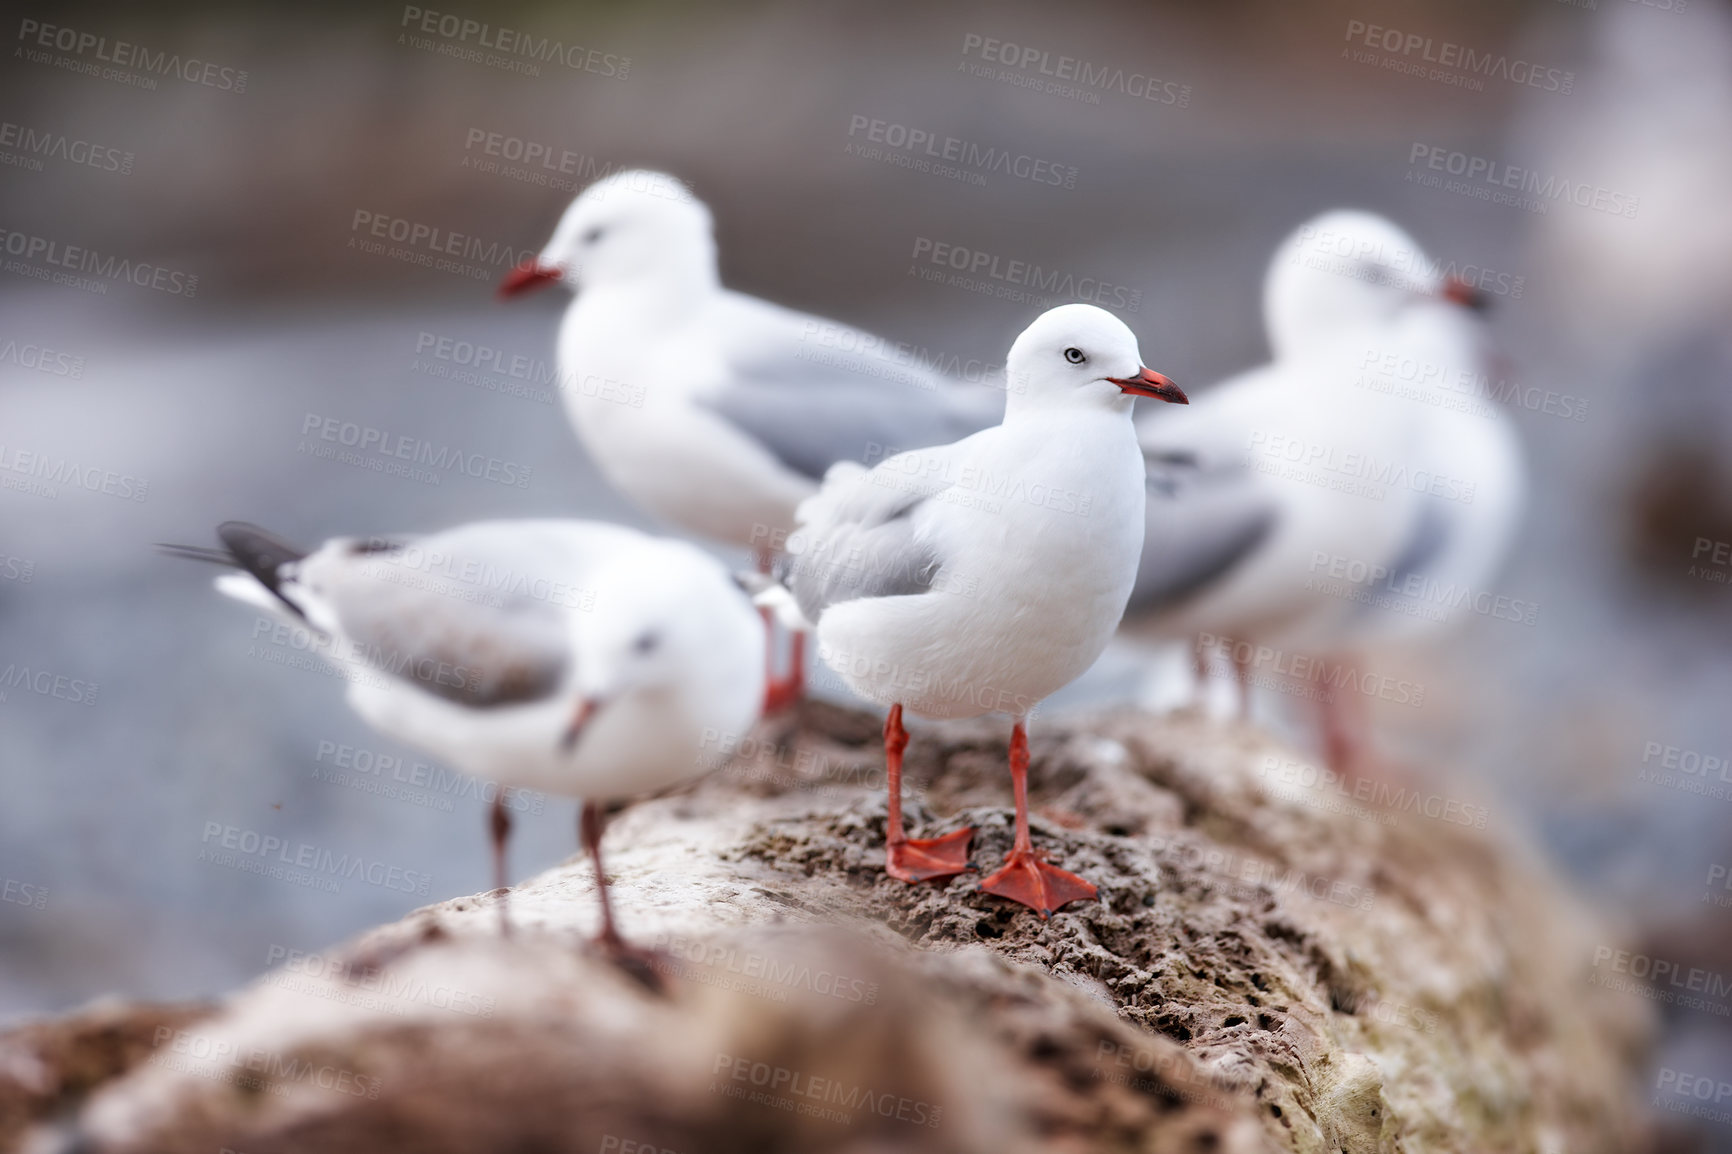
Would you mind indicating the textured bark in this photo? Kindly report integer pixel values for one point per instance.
(1269, 967)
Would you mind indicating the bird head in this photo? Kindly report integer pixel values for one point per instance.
(663, 622)
(1080, 354)
(1345, 271)
(629, 227)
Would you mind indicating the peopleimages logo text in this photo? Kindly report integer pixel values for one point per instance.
(967, 154)
(512, 43)
(46, 683)
(402, 447)
(436, 240)
(42, 143)
(54, 471)
(1543, 187)
(251, 843)
(88, 261)
(35, 34)
(1449, 55)
(1052, 282)
(1073, 70)
(42, 359)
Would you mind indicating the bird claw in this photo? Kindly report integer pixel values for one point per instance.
(929, 858)
(1044, 888)
(644, 966)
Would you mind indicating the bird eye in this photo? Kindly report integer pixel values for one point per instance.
(592, 236)
(1074, 356)
(1375, 274)
(646, 643)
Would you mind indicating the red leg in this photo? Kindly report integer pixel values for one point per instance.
(1026, 876)
(783, 692)
(500, 827)
(640, 964)
(589, 826)
(780, 693)
(1202, 653)
(1242, 672)
(915, 859)
(1343, 724)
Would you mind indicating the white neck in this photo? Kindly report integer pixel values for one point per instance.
(1063, 403)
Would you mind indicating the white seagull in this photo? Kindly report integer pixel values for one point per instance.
(572, 657)
(715, 411)
(981, 576)
(1360, 448)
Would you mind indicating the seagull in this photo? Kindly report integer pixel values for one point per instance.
(1278, 472)
(715, 411)
(571, 657)
(1469, 438)
(981, 576)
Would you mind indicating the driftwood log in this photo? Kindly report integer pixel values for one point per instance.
(1275, 963)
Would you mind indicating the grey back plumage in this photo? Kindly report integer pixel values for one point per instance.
(859, 539)
(804, 389)
(481, 655)
(474, 616)
(1426, 545)
(1202, 521)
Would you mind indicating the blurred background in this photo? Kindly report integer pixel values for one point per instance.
(189, 281)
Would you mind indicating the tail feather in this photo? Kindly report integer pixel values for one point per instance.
(257, 552)
(197, 553)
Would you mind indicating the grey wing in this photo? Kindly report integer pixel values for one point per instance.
(1201, 524)
(1207, 511)
(1429, 541)
(451, 638)
(813, 398)
(859, 539)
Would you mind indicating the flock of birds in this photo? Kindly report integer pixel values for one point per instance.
(956, 549)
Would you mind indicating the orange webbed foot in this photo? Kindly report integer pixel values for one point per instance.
(1036, 883)
(925, 859)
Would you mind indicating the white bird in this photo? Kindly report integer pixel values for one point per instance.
(981, 576)
(715, 411)
(1468, 448)
(571, 657)
(1328, 459)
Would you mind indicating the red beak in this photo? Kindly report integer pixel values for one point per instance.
(1148, 383)
(525, 278)
(580, 717)
(1465, 294)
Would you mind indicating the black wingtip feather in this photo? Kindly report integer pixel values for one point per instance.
(197, 553)
(262, 554)
(251, 549)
